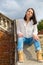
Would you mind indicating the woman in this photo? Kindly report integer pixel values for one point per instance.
(28, 33)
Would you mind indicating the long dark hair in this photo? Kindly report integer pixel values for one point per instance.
(32, 18)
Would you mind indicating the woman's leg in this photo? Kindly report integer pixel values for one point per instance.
(38, 50)
(37, 45)
(20, 49)
(20, 44)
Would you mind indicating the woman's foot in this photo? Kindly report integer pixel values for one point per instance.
(21, 56)
(39, 56)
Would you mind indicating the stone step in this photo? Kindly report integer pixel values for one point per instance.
(29, 52)
(29, 56)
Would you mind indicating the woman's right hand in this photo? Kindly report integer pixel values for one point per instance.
(20, 35)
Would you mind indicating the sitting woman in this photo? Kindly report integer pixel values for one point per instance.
(28, 33)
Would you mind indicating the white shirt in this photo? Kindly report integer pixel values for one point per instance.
(28, 30)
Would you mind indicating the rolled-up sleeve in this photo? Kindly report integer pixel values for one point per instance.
(35, 29)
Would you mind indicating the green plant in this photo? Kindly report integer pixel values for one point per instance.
(40, 25)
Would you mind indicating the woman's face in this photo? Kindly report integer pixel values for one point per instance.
(29, 13)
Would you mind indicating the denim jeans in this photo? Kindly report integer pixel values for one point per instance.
(23, 40)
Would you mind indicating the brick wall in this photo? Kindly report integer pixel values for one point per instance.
(6, 49)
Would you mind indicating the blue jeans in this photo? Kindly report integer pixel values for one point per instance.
(22, 41)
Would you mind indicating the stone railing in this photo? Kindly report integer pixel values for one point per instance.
(41, 40)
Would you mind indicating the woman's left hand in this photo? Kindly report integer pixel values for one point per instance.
(35, 37)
